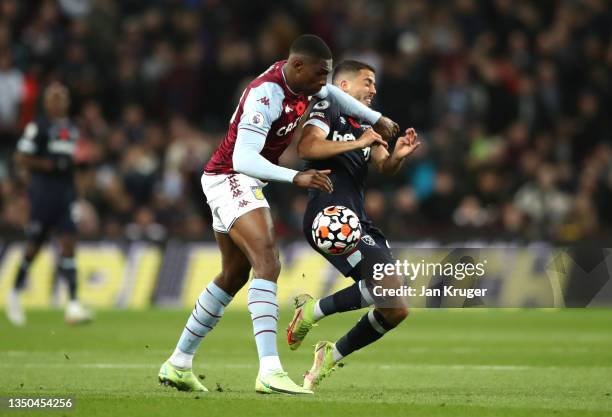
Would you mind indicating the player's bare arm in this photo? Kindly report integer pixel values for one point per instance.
(313, 145)
(31, 162)
(353, 107)
(390, 164)
(247, 160)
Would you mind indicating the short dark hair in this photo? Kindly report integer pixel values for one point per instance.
(311, 46)
(350, 66)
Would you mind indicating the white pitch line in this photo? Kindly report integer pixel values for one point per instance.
(113, 365)
(470, 367)
(384, 367)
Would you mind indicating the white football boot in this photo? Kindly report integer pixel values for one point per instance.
(14, 309)
(77, 314)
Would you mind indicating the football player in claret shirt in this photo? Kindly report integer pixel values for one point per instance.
(347, 145)
(259, 131)
(46, 150)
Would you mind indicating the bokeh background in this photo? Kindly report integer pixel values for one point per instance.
(511, 99)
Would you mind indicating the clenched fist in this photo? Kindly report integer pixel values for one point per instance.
(387, 128)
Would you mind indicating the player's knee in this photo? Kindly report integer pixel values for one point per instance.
(267, 264)
(394, 316)
(36, 238)
(31, 250)
(233, 277)
(67, 251)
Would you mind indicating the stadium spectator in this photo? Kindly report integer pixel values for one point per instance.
(509, 99)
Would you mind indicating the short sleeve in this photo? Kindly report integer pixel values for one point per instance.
(320, 116)
(261, 108)
(29, 143)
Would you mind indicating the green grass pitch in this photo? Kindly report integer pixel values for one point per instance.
(438, 363)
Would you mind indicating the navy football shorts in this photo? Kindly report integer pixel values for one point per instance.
(359, 263)
(51, 209)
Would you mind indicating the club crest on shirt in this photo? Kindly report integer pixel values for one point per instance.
(368, 240)
(258, 193)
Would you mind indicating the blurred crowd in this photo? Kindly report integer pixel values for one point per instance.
(511, 100)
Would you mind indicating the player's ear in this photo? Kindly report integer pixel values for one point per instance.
(344, 85)
(298, 64)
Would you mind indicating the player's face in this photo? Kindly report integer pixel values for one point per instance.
(363, 86)
(57, 100)
(313, 75)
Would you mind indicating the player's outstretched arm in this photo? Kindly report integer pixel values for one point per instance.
(248, 160)
(353, 107)
(390, 164)
(313, 145)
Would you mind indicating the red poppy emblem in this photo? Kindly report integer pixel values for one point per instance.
(300, 107)
(64, 134)
(354, 123)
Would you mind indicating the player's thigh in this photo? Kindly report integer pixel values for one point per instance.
(253, 233)
(375, 253)
(240, 210)
(230, 196)
(40, 219)
(235, 265)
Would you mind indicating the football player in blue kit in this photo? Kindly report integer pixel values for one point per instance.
(333, 140)
(46, 150)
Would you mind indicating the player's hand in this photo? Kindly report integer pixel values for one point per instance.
(63, 164)
(370, 138)
(387, 128)
(313, 178)
(47, 165)
(406, 144)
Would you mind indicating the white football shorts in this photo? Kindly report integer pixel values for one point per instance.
(230, 196)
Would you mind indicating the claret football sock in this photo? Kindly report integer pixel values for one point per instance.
(371, 327)
(263, 306)
(207, 312)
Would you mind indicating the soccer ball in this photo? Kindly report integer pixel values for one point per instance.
(336, 230)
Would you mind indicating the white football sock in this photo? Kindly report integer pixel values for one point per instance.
(318, 313)
(336, 354)
(181, 359)
(268, 364)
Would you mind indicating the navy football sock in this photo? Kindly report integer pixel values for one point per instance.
(67, 270)
(351, 298)
(20, 281)
(371, 327)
